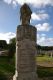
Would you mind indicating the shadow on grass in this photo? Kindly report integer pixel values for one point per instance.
(44, 71)
(2, 76)
(6, 69)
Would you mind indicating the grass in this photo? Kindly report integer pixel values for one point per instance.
(2, 76)
(44, 58)
(7, 68)
(44, 71)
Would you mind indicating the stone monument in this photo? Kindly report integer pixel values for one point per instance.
(26, 47)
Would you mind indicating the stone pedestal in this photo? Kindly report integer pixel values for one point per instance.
(26, 53)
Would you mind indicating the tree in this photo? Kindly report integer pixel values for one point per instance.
(3, 44)
(12, 48)
(13, 41)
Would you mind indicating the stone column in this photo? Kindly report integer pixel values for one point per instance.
(26, 53)
(26, 48)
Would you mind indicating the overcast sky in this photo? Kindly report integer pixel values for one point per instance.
(41, 18)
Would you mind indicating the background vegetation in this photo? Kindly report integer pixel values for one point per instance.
(7, 63)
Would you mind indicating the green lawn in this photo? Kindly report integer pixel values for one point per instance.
(6, 68)
(44, 58)
(44, 71)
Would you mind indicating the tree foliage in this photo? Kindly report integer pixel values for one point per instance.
(13, 41)
(3, 44)
(12, 47)
(46, 48)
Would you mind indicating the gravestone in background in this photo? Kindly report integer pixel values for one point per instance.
(26, 47)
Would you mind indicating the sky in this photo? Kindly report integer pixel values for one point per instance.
(41, 18)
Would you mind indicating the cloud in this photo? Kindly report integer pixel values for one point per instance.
(7, 36)
(34, 16)
(7, 1)
(43, 40)
(14, 3)
(41, 11)
(36, 3)
(40, 16)
(43, 27)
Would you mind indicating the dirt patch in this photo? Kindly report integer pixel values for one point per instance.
(46, 78)
(45, 64)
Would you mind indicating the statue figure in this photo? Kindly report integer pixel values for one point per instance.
(25, 14)
(26, 47)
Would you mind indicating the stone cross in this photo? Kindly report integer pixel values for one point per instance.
(26, 47)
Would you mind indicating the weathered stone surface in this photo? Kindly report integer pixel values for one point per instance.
(26, 31)
(26, 56)
(27, 76)
(25, 12)
(26, 52)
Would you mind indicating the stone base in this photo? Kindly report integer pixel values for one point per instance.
(25, 76)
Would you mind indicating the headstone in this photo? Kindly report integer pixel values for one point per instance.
(26, 47)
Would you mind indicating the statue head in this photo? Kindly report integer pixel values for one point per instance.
(25, 14)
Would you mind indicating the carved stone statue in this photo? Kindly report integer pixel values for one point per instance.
(26, 47)
(25, 12)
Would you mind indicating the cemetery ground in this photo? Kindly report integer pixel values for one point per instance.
(7, 68)
(44, 68)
